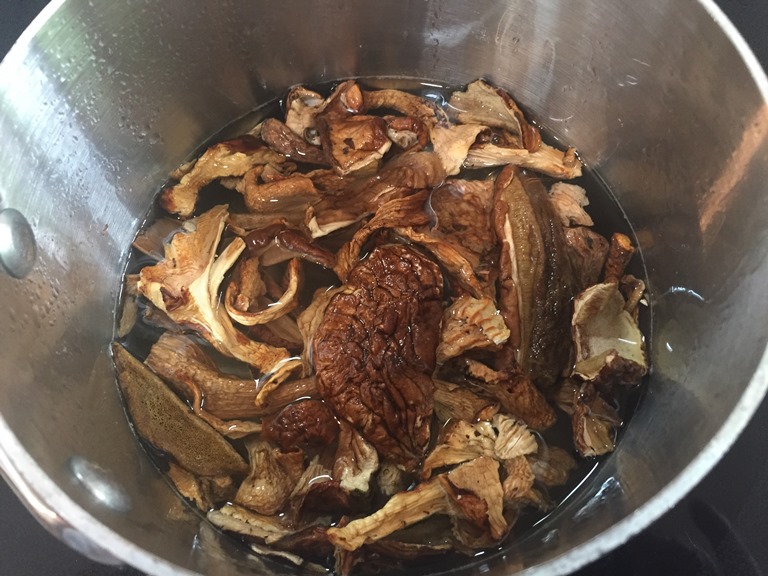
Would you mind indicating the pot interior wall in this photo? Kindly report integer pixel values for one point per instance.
(101, 103)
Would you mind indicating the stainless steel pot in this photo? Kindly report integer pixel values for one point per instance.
(100, 100)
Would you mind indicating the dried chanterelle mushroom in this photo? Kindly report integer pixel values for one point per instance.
(362, 363)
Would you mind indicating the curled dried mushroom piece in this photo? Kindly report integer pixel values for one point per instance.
(386, 328)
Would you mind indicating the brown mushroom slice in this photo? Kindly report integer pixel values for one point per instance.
(374, 350)
(565, 394)
(452, 143)
(285, 141)
(515, 392)
(245, 286)
(273, 380)
(167, 423)
(271, 479)
(519, 480)
(401, 176)
(457, 402)
(302, 105)
(407, 132)
(230, 158)
(190, 371)
(287, 302)
(345, 100)
(185, 286)
(608, 342)
(356, 461)
(470, 324)
(460, 442)
(276, 242)
(587, 251)
(569, 201)
(385, 313)
(546, 159)
(445, 494)
(204, 491)
(402, 510)
(449, 256)
(619, 255)
(296, 243)
(405, 103)
(239, 520)
(302, 424)
(408, 211)
(353, 143)
(594, 423)
(480, 477)
(282, 198)
(275, 398)
(503, 438)
(463, 210)
(551, 465)
(314, 473)
(536, 276)
(484, 104)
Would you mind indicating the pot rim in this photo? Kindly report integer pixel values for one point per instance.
(64, 518)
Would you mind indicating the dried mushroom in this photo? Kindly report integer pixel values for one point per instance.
(304, 423)
(536, 276)
(469, 324)
(515, 392)
(488, 106)
(456, 402)
(374, 350)
(607, 341)
(231, 158)
(185, 365)
(356, 461)
(169, 425)
(185, 286)
(271, 480)
(387, 325)
(594, 423)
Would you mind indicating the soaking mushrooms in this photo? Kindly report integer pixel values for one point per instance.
(185, 286)
(358, 356)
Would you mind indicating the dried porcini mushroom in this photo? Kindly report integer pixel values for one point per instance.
(514, 391)
(488, 106)
(536, 276)
(168, 424)
(386, 324)
(304, 423)
(190, 371)
(470, 324)
(230, 158)
(185, 286)
(607, 340)
(271, 480)
(374, 350)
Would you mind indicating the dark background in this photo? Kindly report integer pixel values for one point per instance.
(719, 529)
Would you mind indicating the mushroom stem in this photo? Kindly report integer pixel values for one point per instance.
(402, 510)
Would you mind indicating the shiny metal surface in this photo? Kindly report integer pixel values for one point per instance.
(99, 101)
(17, 243)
